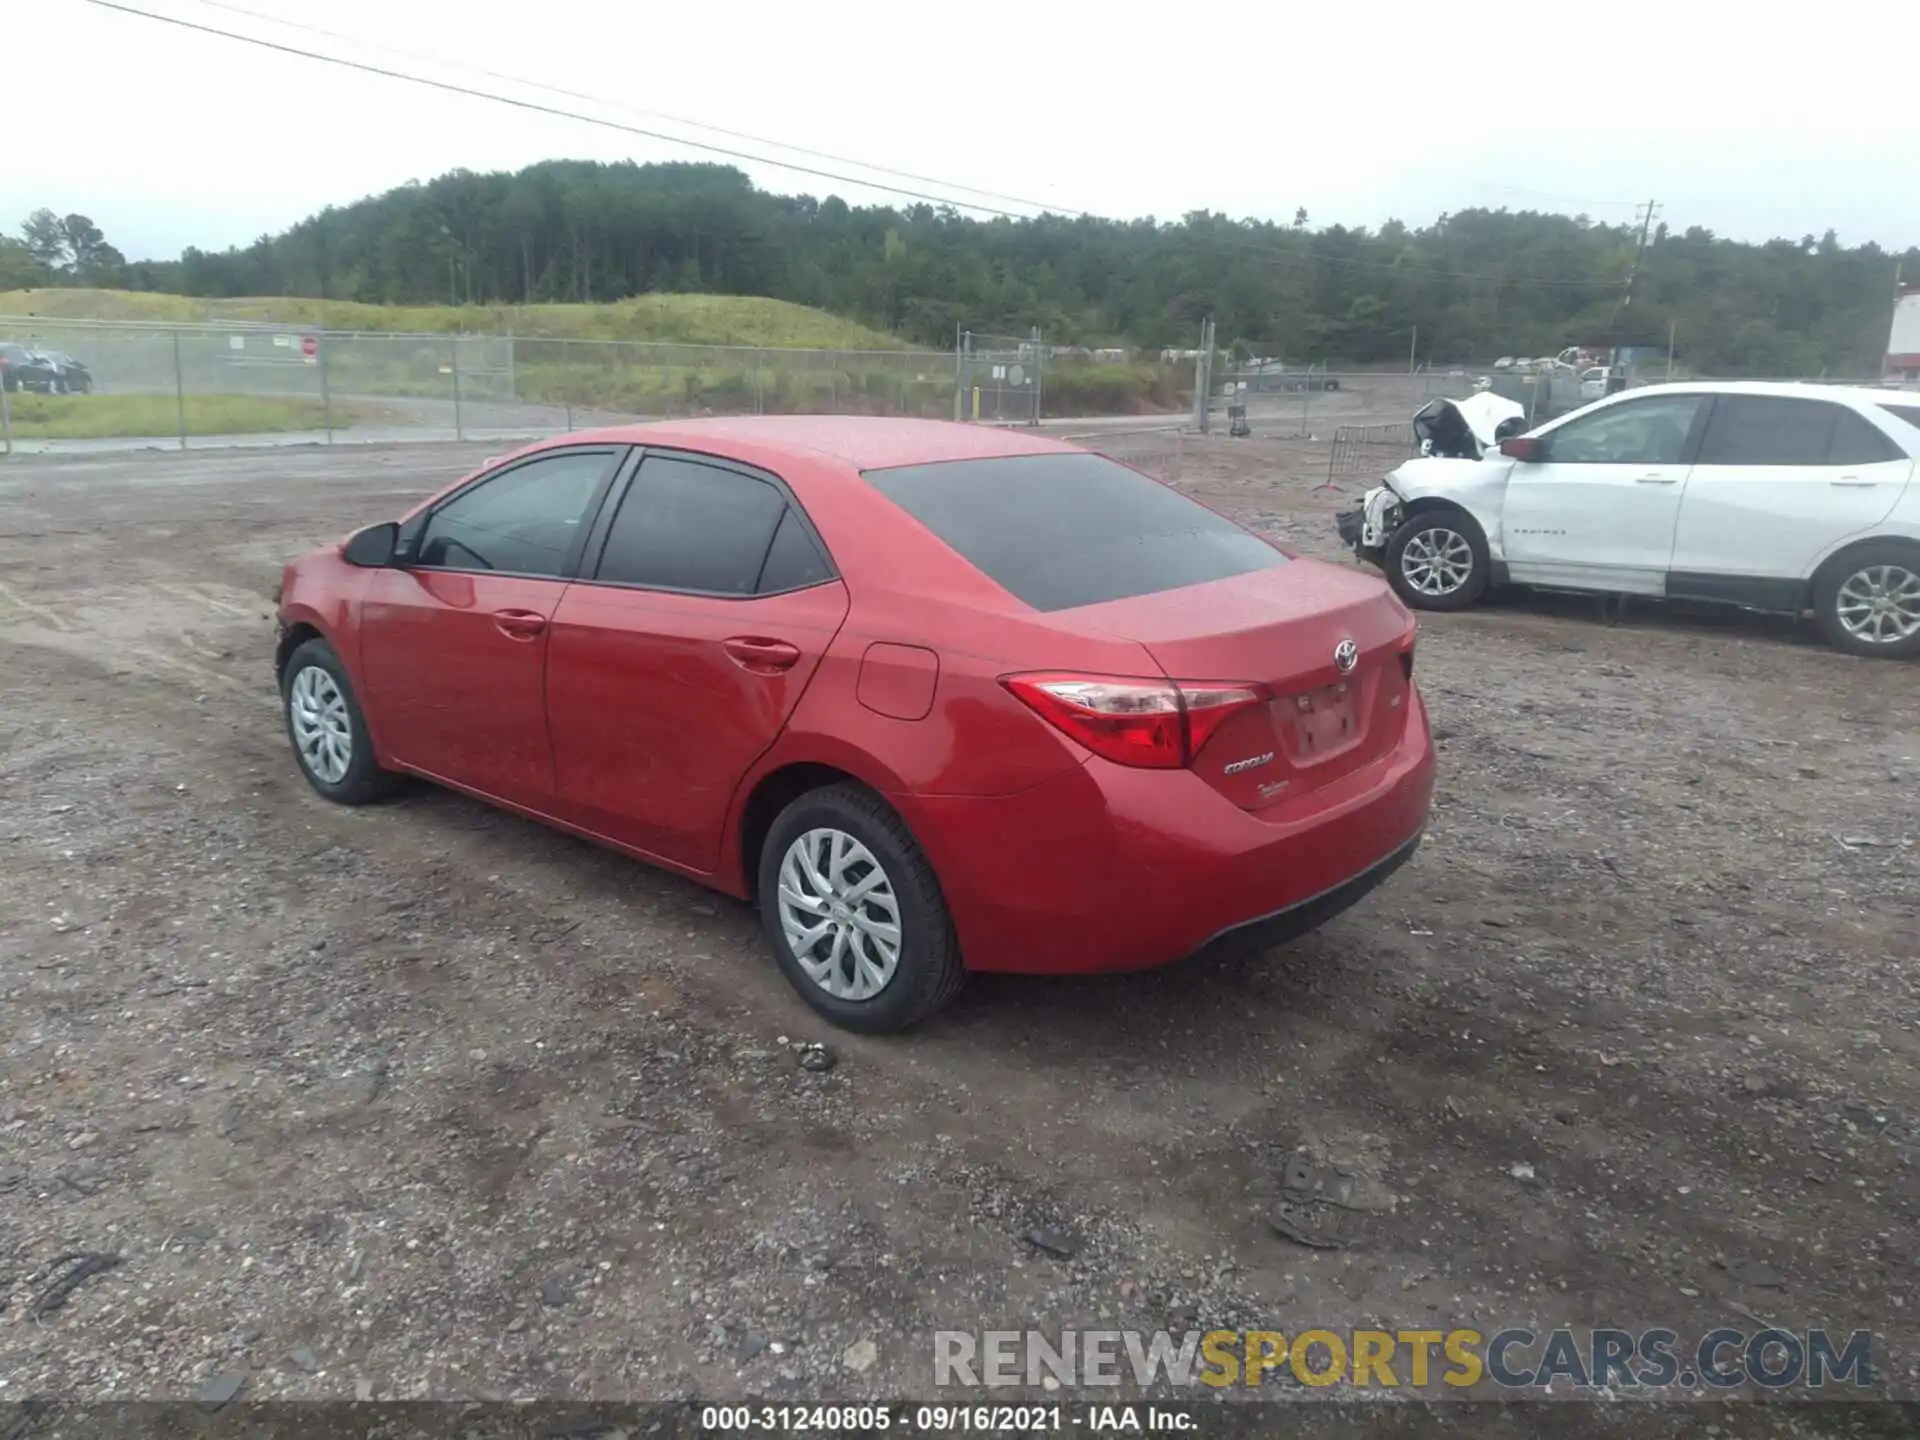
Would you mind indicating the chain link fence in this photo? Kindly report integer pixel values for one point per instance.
(1156, 451)
(1309, 402)
(999, 378)
(148, 384)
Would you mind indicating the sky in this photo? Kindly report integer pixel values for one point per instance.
(1750, 126)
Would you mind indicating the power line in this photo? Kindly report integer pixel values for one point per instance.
(631, 109)
(1266, 256)
(1068, 212)
(538, 108)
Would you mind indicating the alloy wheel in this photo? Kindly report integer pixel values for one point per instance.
(322, 728)
(839, 914)
(1880, 604)
(1437, 561)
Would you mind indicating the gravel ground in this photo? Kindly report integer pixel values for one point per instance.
(425, 1101)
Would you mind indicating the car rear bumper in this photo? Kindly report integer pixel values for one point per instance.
(1109, 868)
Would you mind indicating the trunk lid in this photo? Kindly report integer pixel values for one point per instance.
(1281, 629)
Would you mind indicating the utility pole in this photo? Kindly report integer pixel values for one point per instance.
(1203, 378)
(1616, 374)
(1899, 292)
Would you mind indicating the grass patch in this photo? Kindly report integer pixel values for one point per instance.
(1115, 390)
(669, 319)
(720, 389)
(115, 417)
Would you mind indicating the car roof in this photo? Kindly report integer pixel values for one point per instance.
(1802, 389)
(865, 442)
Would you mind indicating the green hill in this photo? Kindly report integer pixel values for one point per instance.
(676, 319)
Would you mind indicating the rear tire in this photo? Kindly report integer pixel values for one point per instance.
(1437, 560)
(1867, 602)
(854, 912)
(331, 743)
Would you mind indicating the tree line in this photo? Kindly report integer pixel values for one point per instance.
(1469, 287)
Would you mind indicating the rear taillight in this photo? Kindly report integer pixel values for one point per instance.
(1150, 724)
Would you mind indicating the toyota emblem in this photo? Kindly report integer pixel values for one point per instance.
(1346, 655)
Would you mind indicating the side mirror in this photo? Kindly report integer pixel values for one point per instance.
(372, 548)
(1508, 428)
(1523, 447)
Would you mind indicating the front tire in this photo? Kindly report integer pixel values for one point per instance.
(1437, 560)
(1868, 602)
(331, 743)
(854, 912)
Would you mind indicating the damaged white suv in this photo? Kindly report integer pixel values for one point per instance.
(1773, 497)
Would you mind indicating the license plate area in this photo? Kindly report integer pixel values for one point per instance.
(1322, 722)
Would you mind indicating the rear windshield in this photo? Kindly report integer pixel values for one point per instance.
(1057, 531)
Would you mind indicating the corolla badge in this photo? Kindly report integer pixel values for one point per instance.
(1346, 655)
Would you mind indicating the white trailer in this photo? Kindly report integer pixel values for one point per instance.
(1903, 341)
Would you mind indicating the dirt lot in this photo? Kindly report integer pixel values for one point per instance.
(423, 1100)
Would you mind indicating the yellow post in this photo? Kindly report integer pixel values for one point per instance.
(976, 402)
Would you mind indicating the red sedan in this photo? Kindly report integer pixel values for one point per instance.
(939, 697)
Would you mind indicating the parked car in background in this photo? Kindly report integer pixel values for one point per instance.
(938, 697)
(72, 377)
(1774, 497)
(25, 369)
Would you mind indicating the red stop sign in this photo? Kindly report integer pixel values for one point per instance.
(309, 345)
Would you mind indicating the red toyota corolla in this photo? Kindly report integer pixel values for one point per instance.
(939, 697)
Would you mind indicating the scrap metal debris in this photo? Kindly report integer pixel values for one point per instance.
(82, 1265)
(1308, 1192)
(1288, 1229)
(1319, 1184)
(1756, 1273)
(817, 1058)
(1056, 1243)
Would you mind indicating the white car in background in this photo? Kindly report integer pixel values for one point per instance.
(1774, 497)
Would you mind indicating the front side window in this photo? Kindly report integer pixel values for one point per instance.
(523, 521)
(1650, 431)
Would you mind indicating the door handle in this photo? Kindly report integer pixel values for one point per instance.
(761, 655)
(1852, 484)
(1656, 480)
(519, 624)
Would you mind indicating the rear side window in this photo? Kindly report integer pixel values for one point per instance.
(1059, 531)
(1908, 413)
(1855, 442)
(1762, 430)
(684, 525)
(793, 560)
